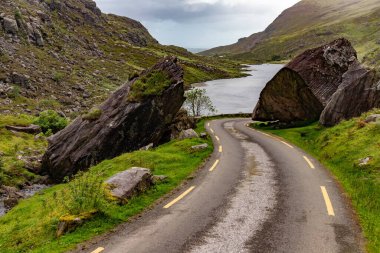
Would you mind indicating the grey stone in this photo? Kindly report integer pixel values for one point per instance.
(147, 147)
(10, 25)
(188, 134)
(373, 118)
(199, 147)
(365, 161)
(32, 129)
(203, 135)
(129, 183)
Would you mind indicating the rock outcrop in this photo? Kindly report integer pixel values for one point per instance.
(322, 68)
(129, 183)
(119, 125)
(357, 94)
(301, 90)
(287, 98)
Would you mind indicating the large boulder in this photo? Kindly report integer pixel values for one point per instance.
(357, 94)
(301, 90)
(129, 183)
(137, 114)
(322, 68)
(287, 98)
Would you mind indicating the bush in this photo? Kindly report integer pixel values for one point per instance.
(85, 193)
(51, 122)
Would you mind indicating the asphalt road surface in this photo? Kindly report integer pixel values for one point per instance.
(257, 193)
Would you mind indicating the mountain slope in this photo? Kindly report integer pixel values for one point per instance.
(67, 55)
(311, 23)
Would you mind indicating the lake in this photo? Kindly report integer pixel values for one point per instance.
(240, 95)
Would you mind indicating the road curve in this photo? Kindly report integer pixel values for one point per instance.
(257, 193)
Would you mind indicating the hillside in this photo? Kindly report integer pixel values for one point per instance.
(68, 55)
(311, 23)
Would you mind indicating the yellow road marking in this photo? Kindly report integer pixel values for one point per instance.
(212, 131)
(330, 209)
(290, 146)
(208, 124)
(217, 138)
(220, 149)
(309, 162)
(179, 197)
(214, 165)
(98, 250)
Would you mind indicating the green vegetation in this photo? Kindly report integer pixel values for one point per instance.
(51, 122)
(152, 84)
(340, 149)
(17, 145)
(31, 226)
(93, 114)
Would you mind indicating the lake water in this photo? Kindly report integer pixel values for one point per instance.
(240, 95)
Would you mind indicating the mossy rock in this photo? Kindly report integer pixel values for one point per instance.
(93, 114)
(70, 222)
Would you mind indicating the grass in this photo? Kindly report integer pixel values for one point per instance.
(12, 145)
(339, 149)
(151, 85)
(31, 226)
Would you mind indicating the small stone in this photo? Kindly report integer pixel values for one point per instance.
(365, 161)
(373, 118)
(203, 135)
(199, 147)
(188, 134)
(147, 147)
(129, 183)
(10, 25)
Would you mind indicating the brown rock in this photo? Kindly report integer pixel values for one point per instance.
(322, 68)
(121, 126)
(287, 98)
(32, 129)
(357, 94)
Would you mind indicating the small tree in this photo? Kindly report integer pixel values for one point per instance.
(197, 102)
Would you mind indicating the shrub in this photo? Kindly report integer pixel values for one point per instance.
(50, 121)
(85, 193)
(58, 76)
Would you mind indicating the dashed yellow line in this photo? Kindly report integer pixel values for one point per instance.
(179, 197)
(208, 124)
(98, 250)
(290, 146)
(330, 209)
(220, 149)
(214, 165)
(212, 131)
(309, 162)
(217, 138)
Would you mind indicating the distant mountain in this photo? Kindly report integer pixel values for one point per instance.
(67, 55)
(196, 50)
(311, 23)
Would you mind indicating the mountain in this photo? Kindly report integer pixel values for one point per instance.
(311, 23)
(67, 55)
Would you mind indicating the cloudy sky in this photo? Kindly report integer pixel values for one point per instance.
(199, 23)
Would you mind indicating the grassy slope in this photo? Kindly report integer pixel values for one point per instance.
(312, 23)
(96, 55)
(340, 148)
(13, 145)
(30, 227)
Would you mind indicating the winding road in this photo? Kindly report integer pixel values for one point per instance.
(257, 193)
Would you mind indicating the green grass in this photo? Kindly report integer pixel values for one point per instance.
(12, 145)
(339, 149)
(31, 226)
